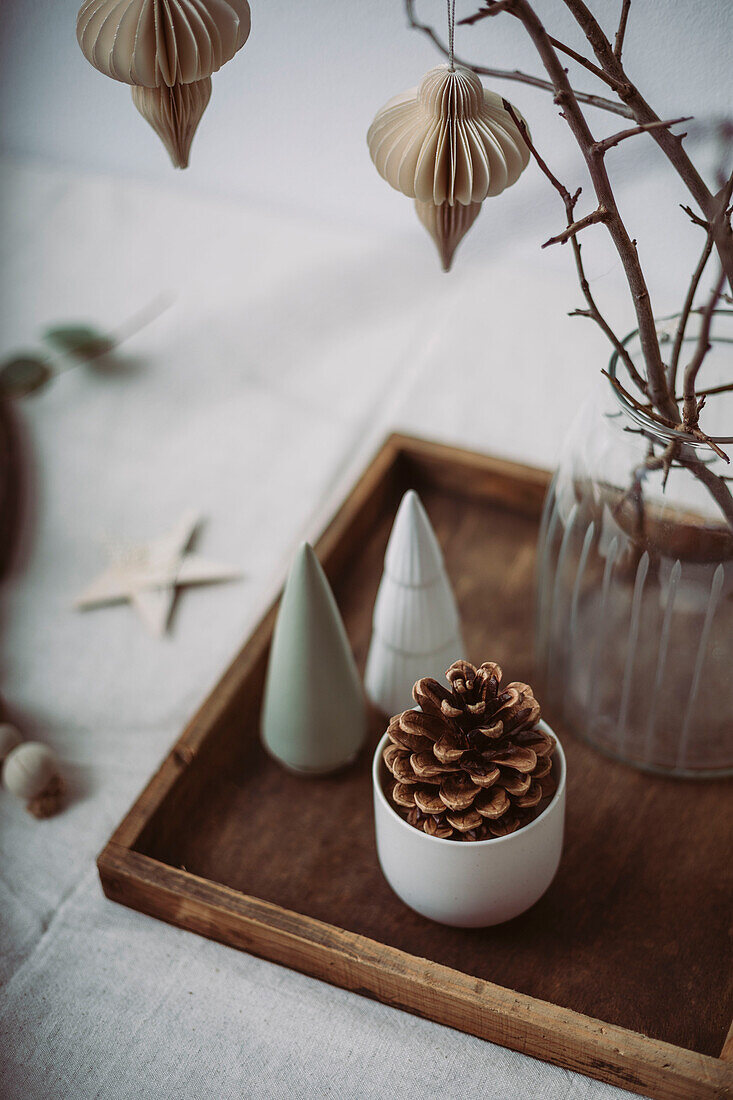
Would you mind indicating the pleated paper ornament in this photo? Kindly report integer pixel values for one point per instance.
(447, 225)
(415, 627)
(314, 712)
(449, 144)
(174, 113)
(167, 50)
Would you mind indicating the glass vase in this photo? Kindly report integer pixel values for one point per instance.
(634, 614)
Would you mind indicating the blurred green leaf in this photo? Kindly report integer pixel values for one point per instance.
(23, 374)
(81, 341)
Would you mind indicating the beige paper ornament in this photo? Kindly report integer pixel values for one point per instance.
(167, 50)
(174, 113)
(450, 141)
(447, 225)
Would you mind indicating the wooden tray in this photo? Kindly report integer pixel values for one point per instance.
(622, 971)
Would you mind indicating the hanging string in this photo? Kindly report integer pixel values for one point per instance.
(451, 4)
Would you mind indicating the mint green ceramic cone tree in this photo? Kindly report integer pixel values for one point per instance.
(314, 714)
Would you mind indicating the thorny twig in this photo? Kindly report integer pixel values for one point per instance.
(723, 200)
(691, 405)
(714, 206)
(609, 60)
(695, 218)
(595, 216)
(670, 144)
(625, 247)
(580, 59)
(570, 202)
(608, 143)
(634, 494)
(685, 314)
(589, 98)
(618, 44)
(639, 405)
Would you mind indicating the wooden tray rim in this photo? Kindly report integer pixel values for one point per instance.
(535, 1027)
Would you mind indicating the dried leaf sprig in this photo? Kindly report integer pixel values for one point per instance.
(70, 345)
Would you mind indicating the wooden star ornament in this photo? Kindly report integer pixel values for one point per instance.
(148, 575)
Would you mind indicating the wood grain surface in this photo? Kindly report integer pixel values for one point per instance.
(633, 933)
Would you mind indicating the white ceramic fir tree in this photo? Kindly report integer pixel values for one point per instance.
(415, 629)
(314, 713)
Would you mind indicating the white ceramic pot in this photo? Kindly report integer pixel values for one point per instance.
(469, 885)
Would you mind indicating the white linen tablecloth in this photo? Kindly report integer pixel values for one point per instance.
(288, 350)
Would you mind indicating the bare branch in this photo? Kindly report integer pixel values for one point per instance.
(725, 388)
(493, 7)
(714, 216)
(575, 227)
(677, 456)
(570, 202)
(589, 98)
(690, 404)
(595, 315)
(714, 483)
(723, 198)
(618, 44)
(565, 97)
(695, 217)
(704, 438)
(663, 461)
(720, 216)
(679, 336)
(670, 144)
(724, 134)
(651, 463)
(655, 416)
(609, 142)
(584, 61)
(670, 456)
(640, 110)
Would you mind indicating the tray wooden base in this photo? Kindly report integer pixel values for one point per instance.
(622, 971)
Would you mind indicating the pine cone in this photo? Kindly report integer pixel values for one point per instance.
(470, 764)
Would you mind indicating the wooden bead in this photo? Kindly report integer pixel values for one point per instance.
(28, 769)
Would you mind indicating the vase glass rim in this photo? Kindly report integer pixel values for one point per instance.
(643, 418)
